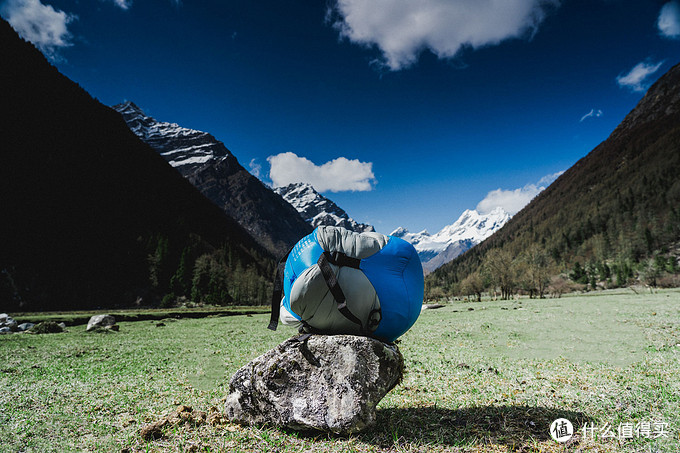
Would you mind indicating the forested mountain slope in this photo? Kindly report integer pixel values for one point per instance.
(91, 215)
(616, 207)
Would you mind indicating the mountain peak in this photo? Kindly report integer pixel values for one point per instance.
(128, 106)
(469, 229)
(399, 232)
(473, 225)
(318, 210)
(185, 149)
(298, 188)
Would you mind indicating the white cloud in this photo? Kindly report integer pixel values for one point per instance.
(592, 114)
(669, 20)
(126, 4)
(337, 175)
(636, 78)
(255, 168)
(510, 200)
(513, 200)
(123, 4)
(401, 29)
(548, 179)
(40, 24)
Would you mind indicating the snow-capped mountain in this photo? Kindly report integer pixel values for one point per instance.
(218, 175)
(185, 149)
(455, 239)
(318, 210)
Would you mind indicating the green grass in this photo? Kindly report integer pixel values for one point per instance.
(490, 379)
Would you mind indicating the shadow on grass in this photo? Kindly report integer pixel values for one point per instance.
(512, 426)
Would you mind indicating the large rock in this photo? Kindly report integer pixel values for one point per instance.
(101, 322)
(329, 383)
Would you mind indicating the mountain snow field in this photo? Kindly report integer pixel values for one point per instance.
(470, 229)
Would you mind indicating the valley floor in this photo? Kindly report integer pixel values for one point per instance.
(480, 377)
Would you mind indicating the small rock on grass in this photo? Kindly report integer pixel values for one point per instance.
(431, 306)
(24, 326)
(98, 322)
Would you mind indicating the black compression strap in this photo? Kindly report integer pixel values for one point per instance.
(334, 286)
(340, 259)
(277, 292)
(276, 299)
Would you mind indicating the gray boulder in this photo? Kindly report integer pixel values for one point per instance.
(329, 383)
(24, 326)
(101, 322)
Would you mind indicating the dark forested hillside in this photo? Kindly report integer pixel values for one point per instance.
(614, 209)
(92, 216)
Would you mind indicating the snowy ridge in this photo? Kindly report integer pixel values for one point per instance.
(318, 210)
(184, 148)
(473, 225)
(470, 229)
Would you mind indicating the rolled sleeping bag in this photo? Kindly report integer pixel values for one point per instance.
(336, 281)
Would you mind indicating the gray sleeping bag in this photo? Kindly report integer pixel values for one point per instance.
(310, 297)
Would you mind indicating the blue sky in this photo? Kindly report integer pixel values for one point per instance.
(405, 113)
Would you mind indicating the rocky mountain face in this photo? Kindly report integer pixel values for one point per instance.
(216, 173)
(185, 149)
(91, 215)
(318, 210)
(470, 229)
(615, 207)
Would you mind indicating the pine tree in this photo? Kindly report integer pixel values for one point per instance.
(180, 283)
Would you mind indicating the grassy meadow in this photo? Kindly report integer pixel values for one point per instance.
(486, 376)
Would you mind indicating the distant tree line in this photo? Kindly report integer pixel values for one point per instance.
(502, 275)
(201, 274)
(536, 274)
(176, 270)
